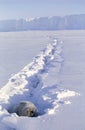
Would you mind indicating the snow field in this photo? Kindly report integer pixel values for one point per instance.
(29, 84)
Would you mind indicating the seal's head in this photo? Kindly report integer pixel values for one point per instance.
(30, 112)
(26, 109)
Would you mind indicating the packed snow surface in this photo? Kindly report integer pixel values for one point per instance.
(31, 84)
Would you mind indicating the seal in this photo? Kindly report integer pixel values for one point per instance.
(26, 108)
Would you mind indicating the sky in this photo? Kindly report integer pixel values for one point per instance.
(16, 9)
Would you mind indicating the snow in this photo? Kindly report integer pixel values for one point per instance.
(31, 19)
(65, 94)
(39, 82)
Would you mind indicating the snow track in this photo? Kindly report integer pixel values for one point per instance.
(31, 84)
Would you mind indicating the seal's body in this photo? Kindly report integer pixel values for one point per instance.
(26, 108)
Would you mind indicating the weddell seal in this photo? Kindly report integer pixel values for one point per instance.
(26, 108)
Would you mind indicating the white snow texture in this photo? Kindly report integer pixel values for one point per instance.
(29, 84)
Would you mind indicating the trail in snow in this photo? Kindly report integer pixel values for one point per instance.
(29, 84)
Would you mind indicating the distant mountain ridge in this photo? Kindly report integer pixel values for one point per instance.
(69, 22)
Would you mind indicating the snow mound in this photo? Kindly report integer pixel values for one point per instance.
(30, 84)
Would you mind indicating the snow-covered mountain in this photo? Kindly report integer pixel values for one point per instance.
(70, 22)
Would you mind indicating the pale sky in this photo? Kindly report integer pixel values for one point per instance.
(15, 9)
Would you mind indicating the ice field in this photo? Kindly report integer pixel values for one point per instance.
(47, 68)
